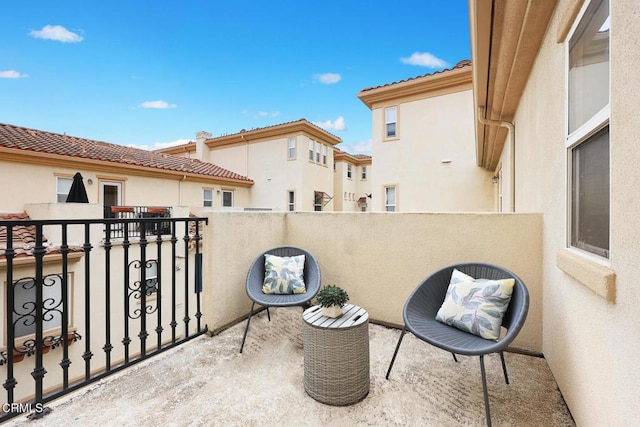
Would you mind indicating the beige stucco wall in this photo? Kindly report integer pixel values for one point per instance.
(379, 258)
(431, 130)
(266, 162)
(355, 185)
(591, 345)
(37, 184)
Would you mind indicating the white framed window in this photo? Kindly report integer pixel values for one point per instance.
(207, 198)
(311, 147)
(292, 148)
(24, 307)
(227, 198)
(63, 185)
(587, 142)
(151, 277)
(324, 155)
(318, 145)
(349, 171)
(318, 200)
(363, 172)
(391, 122)
(390, 201)
(291, 200)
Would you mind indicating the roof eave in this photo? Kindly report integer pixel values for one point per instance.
(449, 79)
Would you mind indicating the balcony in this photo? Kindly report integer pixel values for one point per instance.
(378, 259)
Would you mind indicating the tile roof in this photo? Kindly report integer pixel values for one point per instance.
(460, 64)
(20, 138)
(23, 239)
(301, 121)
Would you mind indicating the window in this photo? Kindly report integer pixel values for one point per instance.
(311, 145)
(317, 200)
(390, 199)
(63, 185)
(318, 152)
(588, 130)
(390, 121)
(292, 148)
(363, 172)
(207, 198)
(24, 307)
(151, 277)
(324, 155)
(227, 198)
(291, 201)
(349, 171)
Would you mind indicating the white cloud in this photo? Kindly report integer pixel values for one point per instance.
(425, 59)
(160, 104)
(57, 33)
(327, 78)
(12, 74)
(159, 145)
(363, 147)
(339, 124)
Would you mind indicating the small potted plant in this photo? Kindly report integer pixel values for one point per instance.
(332, 298)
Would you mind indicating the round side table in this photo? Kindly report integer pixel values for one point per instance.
(336, 355)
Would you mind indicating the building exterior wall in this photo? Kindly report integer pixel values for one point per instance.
(349, 190)
(590, 343)
(267, 162)
(432, 162)
(33, 183)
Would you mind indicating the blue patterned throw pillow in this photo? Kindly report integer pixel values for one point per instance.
(284, 275)
(476, 305)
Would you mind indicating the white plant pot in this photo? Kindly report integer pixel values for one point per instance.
(333, 311)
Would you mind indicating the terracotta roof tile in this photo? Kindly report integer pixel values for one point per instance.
(302, 120)
(20, 138)
(460, 64)
(23, 238)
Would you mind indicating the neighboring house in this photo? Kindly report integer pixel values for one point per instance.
(422, 143)
(37, 168)
(290, 164)
(40, 166)
(563, 75)
(352, 182)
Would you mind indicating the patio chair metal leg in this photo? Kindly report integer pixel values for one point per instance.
(268, 315)
(395, 353)
(454, 357)
(484, 390)
(244, 337)
(504, 368)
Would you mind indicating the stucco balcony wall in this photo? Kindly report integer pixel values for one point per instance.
(379, 258)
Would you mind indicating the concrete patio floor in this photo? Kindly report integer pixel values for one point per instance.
(206, 382)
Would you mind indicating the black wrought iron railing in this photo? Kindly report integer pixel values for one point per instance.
(134, 212)
(80, 309)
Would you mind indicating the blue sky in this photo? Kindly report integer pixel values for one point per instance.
(153, 73)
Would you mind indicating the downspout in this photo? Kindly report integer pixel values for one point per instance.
(511, 129)
(184, 177)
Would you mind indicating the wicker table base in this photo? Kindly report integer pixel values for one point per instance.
(336, 355)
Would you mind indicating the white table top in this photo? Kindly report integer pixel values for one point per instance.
(353, 316)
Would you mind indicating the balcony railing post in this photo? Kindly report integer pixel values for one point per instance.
(174, 241)
(65, 362)
(159, 327)
(126, 340)
(107, 300)
(143, 289)
(186, 317)
(86, 247)
(39, 371)
(10, 383)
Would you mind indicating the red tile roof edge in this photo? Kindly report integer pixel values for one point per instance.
(460, 64)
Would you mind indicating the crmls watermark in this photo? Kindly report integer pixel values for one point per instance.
(22, 408)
